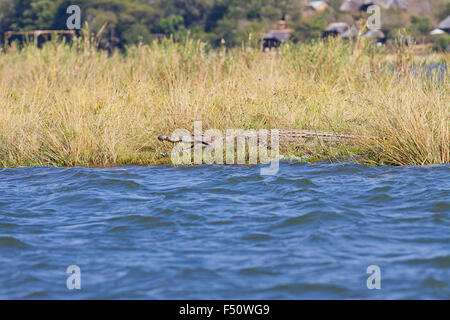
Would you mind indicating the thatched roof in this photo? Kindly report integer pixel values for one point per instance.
(281, 36)
(351, 5)
(357, 5)
(280, 32)
(382, 3)
(436, 32)
(317, 4)
(445, 24)
(350, 33)
(375, 34)
(401, 4)
(389, 3)
(340, 28)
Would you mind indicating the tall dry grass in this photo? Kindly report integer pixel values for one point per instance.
(69, 105)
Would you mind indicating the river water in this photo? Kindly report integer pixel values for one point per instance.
(226, 232)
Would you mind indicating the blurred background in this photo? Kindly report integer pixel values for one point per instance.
(227, 22)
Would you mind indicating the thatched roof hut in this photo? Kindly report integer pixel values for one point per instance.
(314, 7)
(387, 4)
(339, 28)
(318, 6)
(281, 36)
(362, 5)
(445, 24)
(376, 35)
(351, 5)
(437, 32)
(274, 38)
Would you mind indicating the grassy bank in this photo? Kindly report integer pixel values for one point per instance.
(68, 105)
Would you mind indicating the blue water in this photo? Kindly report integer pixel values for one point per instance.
(211, 232)
(436, 72)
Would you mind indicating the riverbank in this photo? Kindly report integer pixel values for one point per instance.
(73, 105)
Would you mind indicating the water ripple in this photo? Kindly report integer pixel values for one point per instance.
(222, 232)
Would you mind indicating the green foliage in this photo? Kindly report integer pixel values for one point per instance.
(394, 21)
(126, 22)
(310, 27)
(441, 42)
(171, 24)
(419, 26)
(34, 14)
(137, 33)
(7, 13)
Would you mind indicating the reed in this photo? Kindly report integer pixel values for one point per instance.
(74, 105)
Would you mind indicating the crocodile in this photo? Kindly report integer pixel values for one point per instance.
(284, 136)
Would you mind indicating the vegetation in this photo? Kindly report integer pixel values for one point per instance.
(72, 104)
(128, 22)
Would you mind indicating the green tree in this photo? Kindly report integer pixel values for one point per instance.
(419, 26)
(171, 24)
(310, 27)
(35, 14)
